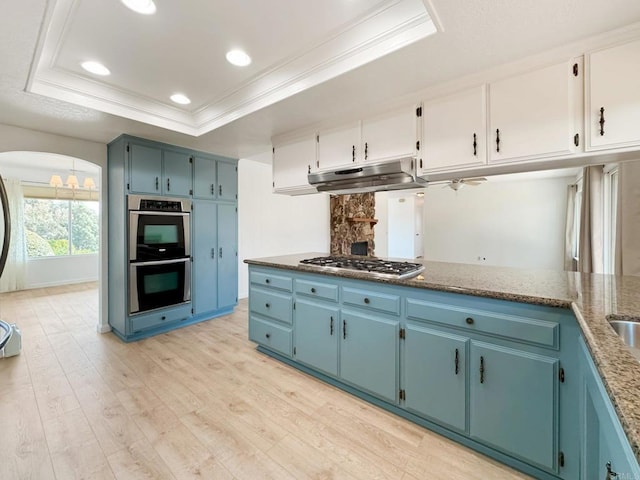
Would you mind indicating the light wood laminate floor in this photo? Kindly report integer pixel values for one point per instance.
(198, 402)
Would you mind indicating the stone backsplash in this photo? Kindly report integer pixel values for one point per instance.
(352, 221)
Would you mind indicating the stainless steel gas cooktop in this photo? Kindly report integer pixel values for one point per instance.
(375, 267)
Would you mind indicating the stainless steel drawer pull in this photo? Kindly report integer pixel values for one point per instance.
(268, 335)
(366, 300)
(313, 290)
(267, 305)
(267, 281)
(469, 321)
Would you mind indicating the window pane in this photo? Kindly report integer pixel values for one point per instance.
(84, 227)
(46, 225)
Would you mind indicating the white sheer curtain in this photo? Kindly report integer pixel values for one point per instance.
(591, 243)
(570, 264)
(627, 249)
(15, 272)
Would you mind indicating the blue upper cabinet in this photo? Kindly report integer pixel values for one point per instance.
(227, 181)
(145, 163)
(514, 402)
(159, 171)
(434, 375)
(204, 178)
(176, 173)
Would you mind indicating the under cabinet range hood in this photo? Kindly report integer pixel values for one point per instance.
(397, 174)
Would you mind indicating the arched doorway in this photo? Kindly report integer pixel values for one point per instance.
(60, 224)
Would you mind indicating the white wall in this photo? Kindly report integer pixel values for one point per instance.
(272, 224)
(515, 223)
(49, 271)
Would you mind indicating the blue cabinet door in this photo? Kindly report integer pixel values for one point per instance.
(176, 179)
(227, 256)
(145, 169)
(205, 257)
(316, 335)
(604, 443)
(435, 375)
(204, 178)
(227, 181)
(369, 353)
(513, 402)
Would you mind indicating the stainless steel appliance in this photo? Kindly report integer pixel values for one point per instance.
(10, 337)
(158, 228)
(159, 284)
(397, 174)
(159, 252)
(375, 267)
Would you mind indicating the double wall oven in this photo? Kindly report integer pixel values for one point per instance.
(159, 252)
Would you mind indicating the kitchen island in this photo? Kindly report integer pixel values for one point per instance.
(534, 320)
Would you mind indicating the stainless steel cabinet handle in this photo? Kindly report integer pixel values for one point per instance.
(168, 184)
(331, 326)
(481, 369)
(220, 253)
(213, 253)
(344, 329)
(157, 183)
(220, 190)
(213, 189)
(457, 362)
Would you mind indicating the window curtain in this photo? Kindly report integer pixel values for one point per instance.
(627, 240)
(15, 272)
(570, 263)
(591, 242)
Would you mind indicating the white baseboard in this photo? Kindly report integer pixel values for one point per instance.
(32, 286)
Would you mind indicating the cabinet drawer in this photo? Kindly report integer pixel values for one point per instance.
(519, 328)
(373, 300)
(270, 335)
(272, 281)
(325, 291)
(157, 319)
(271, 304)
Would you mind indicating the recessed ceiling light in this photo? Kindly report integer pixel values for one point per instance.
(95, 67)
(238, 58)
(180, 98)
(145, 7)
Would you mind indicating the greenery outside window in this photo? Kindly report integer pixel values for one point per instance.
(60, 227)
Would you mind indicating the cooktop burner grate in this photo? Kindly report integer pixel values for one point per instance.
(375, 266)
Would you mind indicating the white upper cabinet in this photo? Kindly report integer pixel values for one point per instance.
(338, 147)
(392, 135)
(454, 132)
(613, 97)
(291, 164)
(534, 115)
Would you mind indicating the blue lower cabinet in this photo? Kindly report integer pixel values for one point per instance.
(513, 399)
(605, 451)
(316, 335)
(369, 353)
(159, 319)
(227, 255)
(204, 252)
(434, 376)
(271, 335)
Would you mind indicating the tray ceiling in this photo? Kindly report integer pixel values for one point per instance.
(294, 45)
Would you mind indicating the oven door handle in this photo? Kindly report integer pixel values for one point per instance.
(159, 212)
(160, 262)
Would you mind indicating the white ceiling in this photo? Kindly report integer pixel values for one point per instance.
(477, 35)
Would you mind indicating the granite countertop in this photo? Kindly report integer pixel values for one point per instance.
(594, 298)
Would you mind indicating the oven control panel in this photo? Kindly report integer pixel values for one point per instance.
(161, 205)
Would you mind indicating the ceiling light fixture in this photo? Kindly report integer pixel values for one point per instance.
(238, 58)
(145, 7)
(180, 98)
(96, 68)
